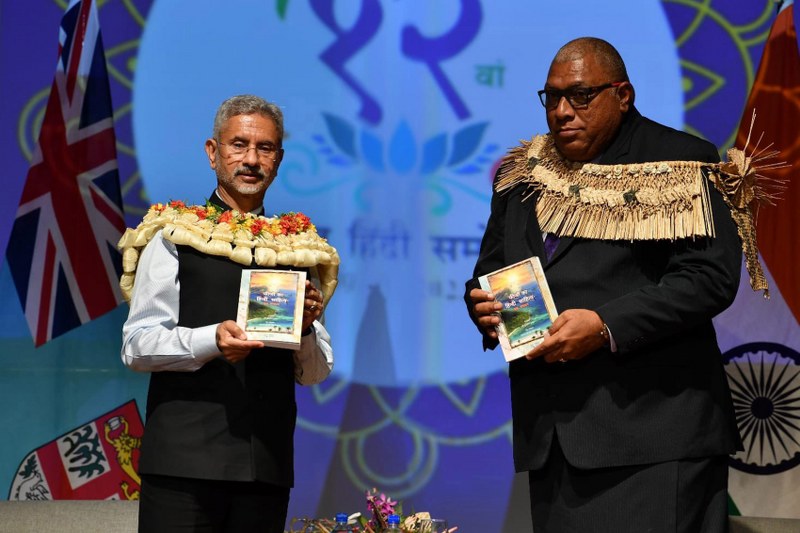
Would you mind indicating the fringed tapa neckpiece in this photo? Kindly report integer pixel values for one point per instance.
(643, 201)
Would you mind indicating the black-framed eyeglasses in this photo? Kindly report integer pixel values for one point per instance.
(578, 97)
(238, 150)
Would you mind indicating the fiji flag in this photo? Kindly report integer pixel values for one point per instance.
(62, 250)
(98, 460)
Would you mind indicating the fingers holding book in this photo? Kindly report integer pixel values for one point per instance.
(486, 310)
(313, 301)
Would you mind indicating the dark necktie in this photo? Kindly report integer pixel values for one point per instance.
(550, 243)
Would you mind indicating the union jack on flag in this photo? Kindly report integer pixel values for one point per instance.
(62, 250)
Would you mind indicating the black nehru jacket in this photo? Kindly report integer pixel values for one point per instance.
(224, 421)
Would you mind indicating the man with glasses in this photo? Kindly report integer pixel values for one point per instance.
(622, 416)
(217, 452)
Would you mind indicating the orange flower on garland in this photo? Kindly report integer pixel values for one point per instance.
(292, 222)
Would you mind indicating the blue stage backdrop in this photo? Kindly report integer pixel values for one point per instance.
(397, 114)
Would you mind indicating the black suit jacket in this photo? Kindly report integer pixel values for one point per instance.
(663, 395)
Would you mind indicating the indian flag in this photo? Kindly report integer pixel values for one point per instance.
(760, 338)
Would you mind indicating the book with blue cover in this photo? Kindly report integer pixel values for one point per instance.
(271, 306)
(528, 307)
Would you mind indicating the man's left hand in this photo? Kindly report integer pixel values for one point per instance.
(312, 305)
(573, 335)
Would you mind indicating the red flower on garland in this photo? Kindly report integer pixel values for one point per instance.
(294, 223)
(258, 226)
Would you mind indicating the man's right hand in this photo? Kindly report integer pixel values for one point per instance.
(233, 343)
(484, 308)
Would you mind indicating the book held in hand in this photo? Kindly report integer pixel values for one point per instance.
(528, 307)
(271, 306)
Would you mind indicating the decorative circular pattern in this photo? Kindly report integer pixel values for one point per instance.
(764, 378)
(393, 438)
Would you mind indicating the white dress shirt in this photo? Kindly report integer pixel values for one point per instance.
(152, 341)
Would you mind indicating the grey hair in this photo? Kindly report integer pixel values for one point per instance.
(248, 104)
(606, 55)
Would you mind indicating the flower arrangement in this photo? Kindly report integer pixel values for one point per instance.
(289, 239)
(379, 507)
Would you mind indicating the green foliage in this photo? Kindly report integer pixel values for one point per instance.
(259, 310)
(514, 319)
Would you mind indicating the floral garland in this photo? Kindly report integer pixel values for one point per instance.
(289, 239)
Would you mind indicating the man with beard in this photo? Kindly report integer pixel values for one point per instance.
(217, 452)
(622, 416)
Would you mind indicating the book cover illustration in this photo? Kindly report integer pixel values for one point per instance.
(271, 306)
(528, 307)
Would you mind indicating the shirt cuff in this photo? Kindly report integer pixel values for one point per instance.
(308, 340)
(612, 344)
(204, 343)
